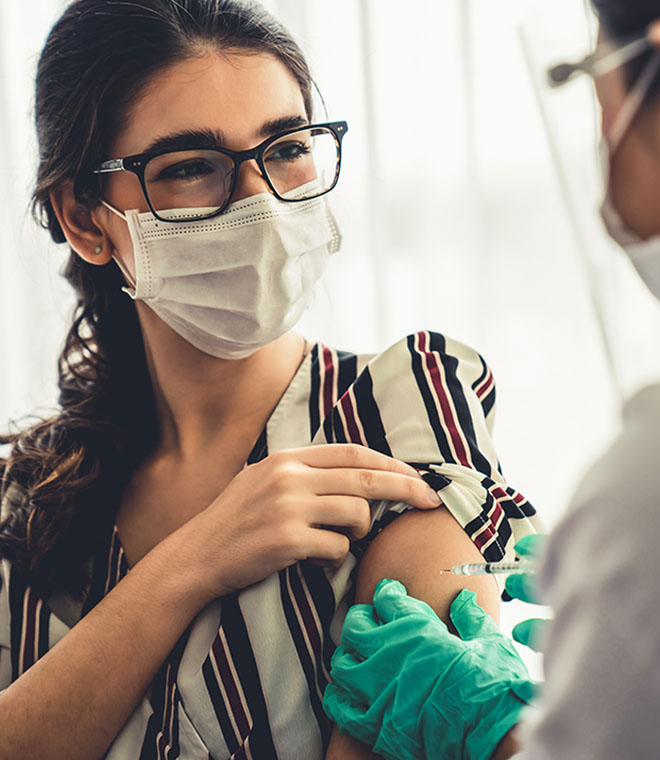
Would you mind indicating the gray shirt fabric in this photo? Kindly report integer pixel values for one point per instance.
(602, 660)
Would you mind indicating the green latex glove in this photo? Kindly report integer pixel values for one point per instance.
(405, 686)
(532, 632)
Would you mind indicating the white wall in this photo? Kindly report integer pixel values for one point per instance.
(449, 205)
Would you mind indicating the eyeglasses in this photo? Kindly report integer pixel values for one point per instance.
(607, 56)
(298, 164)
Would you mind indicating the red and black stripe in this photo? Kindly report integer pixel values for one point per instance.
(332, 373)
(240, 650)
(514, 504)
(427, 393)
(455, 389)
(324, 602)
(484, 387)
(296, 607)
(29, 623)
(231, 736)
(161, 739)
(359, 405)
(108, 569)
(490, 530)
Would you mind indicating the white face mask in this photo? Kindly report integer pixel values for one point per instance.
(232, 284)
(644, 254)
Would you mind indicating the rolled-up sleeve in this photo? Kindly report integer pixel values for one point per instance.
(430, 401)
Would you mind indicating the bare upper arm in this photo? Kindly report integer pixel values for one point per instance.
(412, 549)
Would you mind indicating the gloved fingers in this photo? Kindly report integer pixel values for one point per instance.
(391, 602)
(361, 617)
(361, 633)
(524, 587)
(531, 633)
(469, 619)
(532, 545)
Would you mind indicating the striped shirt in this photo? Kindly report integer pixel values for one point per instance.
(246, 679)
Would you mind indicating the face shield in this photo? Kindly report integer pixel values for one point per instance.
(570, 71)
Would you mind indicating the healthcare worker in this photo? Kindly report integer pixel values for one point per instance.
(406, 685)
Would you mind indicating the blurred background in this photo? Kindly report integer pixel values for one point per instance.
(449, 203)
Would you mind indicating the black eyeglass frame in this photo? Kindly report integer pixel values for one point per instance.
(137, 165)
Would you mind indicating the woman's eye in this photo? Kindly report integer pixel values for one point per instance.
(288, 152)
(186, 170)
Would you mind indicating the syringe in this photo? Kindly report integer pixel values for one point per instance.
(494, 568)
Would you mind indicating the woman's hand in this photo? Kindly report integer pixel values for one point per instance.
(296, 504)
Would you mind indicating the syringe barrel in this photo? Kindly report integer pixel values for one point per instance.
(494, 568)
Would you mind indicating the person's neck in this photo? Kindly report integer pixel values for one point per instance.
(200, 399)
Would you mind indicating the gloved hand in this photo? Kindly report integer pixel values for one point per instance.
(532, 632)
(411, 690)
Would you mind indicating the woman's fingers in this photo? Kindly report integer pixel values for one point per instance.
(350, 513)
(352, 470)
(376, 484)
(326, 547)
(345, 455)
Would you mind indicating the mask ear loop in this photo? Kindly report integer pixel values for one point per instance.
(610, 143)
(622, 122)
(633, 102)
(132, 285)
(113, 209)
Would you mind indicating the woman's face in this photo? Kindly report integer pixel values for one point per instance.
(635, 160)
(241, 98)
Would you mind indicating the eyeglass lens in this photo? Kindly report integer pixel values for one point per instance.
(299, 165)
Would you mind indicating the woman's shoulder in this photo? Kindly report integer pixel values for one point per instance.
(429, 340)
(433, 354)
(425, 396)
(427, 400)
(425, 364)
(424, 350)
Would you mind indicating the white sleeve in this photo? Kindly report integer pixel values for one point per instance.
(602, 692)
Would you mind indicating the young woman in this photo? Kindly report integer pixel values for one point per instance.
(182, 540)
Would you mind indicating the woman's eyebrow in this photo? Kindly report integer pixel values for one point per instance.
(274, 126)
(187, 138)
(212, 138)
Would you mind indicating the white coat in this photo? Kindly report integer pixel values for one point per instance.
(602, 693)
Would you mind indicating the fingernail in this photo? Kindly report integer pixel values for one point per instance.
(433, 496)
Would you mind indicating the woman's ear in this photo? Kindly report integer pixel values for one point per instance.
(83, 234)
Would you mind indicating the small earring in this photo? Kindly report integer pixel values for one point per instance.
(98, 249)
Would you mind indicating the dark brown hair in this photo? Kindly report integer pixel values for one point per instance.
(65, 476)
(622, 19)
